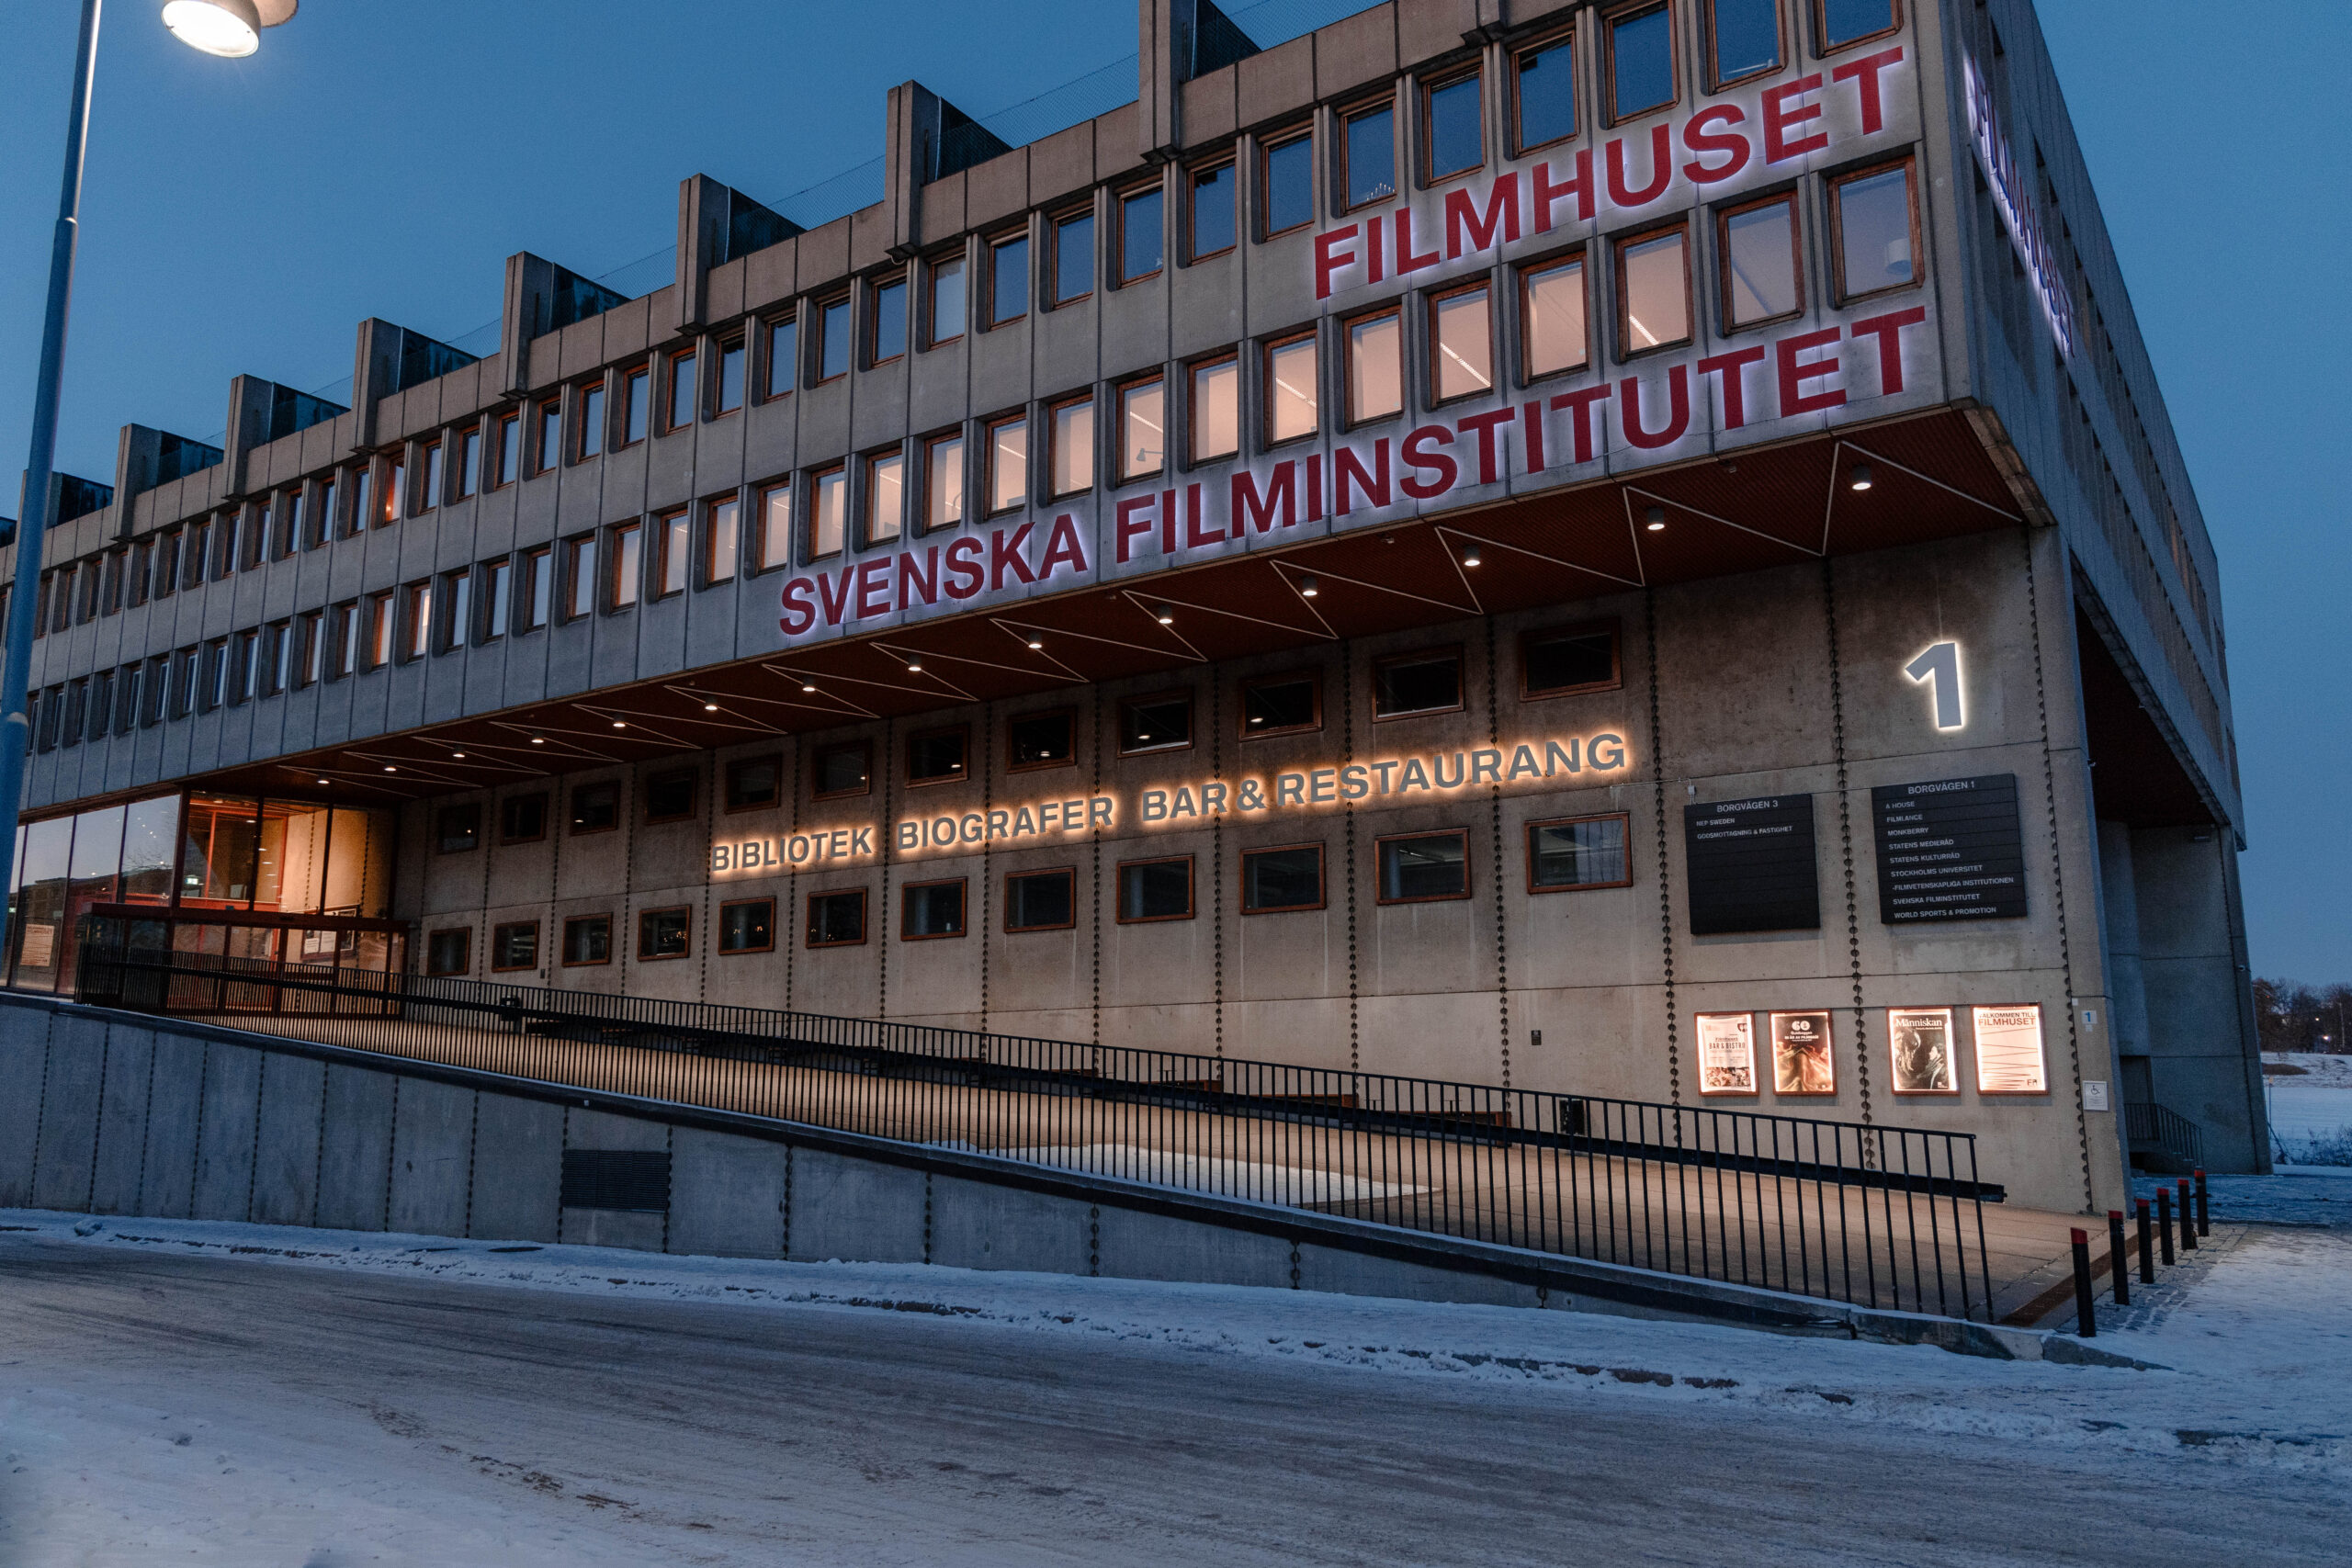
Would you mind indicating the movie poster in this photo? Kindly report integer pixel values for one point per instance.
(1727, 1053)
(1802, 1062)
(2009, 1050)
(1922, 1042)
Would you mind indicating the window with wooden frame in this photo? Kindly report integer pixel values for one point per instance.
(1462, 344)
(549, 454)
(747, 925)
(508, 458)
(775, 527)
(1572, 854)
(1293, 391)
(836, 920)
(929, 911)
(1874, 231)
(664, 933)
(937, 756)
(1407, 685)
(943, 317)
(726, 393)
(1214, 414)
(756, 784)
(782, 353)
(1072, 254)
(1143, 427)
(682, 391)
(1637, 62)
(589, 441)
(449, 951)
(587, 941)
(1542, 76)
(523, 819)
(1285, 181)
(469, 478)
(637, 404)
(827, 512)
(1159, 889)
(390, 501)
(722, 536)
(843, 768)
(1738, 39)
(1288, 704)
(1375, 367)
(456, 828)
(1841, 24)
(885, 332)
(579, 576)
(943, 481)
(1143, 234)
(458, 608)
(1453, 125)
(515, 946)
(1007, 454)
(1210, 207)
(1423, 868)
(1760, 259)
(539, 587)
(885, 496)
(1033, 741)
(1008, 278)
(1070, 451)
(1041, 901)
(1653, 291)
(1553, 318)
(383, 612)
(595, 808)
(1155, 721)
(626, 556)
(669, 796)
(834, 342)
(1367, 154)
(1563, 661)
(1282, 880)
(674, 542)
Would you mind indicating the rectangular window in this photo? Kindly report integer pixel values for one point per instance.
(193, 571)
(510, 451)
(347, 639)
(754, 784)
(829, 516)
(550, 444)
(587, 939)
(1286, 183)
(229, 541)
(417, 611)
(182, 685)
(1292, 381)
(430, 477)
(1576, 853)
(748, 925)
(313, 651)
(1143, 428)
(670, 798)
(595, 808)
(729, 390)
(1453, 127)
(110, 600)
(156, 698)
(837, 919)
(1280, 704)
(1041, 901)
(457, 589)
(1141, 243)
(627, 566)
(1741, 37)
(637, 404)
(216, 690)
(775, 527)
(844, 768)
(1069, 462)
(1368, 156)
(383, 610)
(167, 565)
(1217, 409)
(1375, 367)
(515, 946)
(833, 343)
(1039, 740)
(1638, 69)
(1564, 661)
(942, 478)
(682, 391)
(889, 302)
(497, 600)
(1008, 279)
(1073, 257)
(456, 828)
(468, 465)
(1653, 292)
(1161, 722)
(249, 666)
(1155, 890)
(1212, 211)
(784, 355)
(579, 576)
(674, 531)
(722, 529)
(1877, 223)
(1757, 249)
(394, 496)
(143, 564)
(1419, 868)
(1461, 345)
(936, 756)
(929, 909)
(1288, 878)
(1412, 684)
(1551, 317)
(449, 951)
(946, 299)
(1544, 92)
(523, 819)
(886, 497)
(102, 700)
(539, 587)
(1837, 23)
(1008, 458)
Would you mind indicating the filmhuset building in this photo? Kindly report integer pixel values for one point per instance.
(1630, 548)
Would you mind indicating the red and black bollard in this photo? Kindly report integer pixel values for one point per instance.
(2147, 1244)
(2164, 1223)
(2085, 1318)
(2116, 1259)
(2187, 1223)
(2204, 1213)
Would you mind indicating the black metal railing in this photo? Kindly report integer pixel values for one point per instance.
(1879, 1216)
(2147, 1124)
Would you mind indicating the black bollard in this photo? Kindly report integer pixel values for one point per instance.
(2115, 1258)
(2164, 1223)
(2187, 1223)
(2204, 1212)
(2147, 1244)
(2085, 1319)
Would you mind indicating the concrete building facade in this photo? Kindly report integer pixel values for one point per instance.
(1630, 548)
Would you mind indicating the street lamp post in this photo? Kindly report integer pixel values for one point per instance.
(227, 27)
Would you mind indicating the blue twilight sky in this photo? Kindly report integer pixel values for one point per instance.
(381, 158)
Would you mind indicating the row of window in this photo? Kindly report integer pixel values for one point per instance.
(1571, 854)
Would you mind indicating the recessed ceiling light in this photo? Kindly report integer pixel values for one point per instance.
(1655, 519)
(808, 685)
(1167, 614)
(458, 756)
(390, 768)
(914, 666)
(620, 724)
(1307, 587)
(1035, 643)
(1858, 477)
(711, 707)
(539, 740)
(1470, 555)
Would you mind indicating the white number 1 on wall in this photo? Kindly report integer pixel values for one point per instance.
(1941, 666)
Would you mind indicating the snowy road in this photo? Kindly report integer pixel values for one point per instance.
(168, 1398)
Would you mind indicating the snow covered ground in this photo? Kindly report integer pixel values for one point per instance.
(2310, 1110)
(251, 1394)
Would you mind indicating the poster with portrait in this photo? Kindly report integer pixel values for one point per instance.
(2009, 1050)
(1802, 1061)
(1921, 1039)
(1727, 1053)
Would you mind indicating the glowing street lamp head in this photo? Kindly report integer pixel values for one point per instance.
(229, 29)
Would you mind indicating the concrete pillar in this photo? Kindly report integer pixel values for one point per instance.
(375, 371)
(2120, 899)
(530, 280)
(914, 152)
(2200, 1054)
(716, 225)
(1175, 41)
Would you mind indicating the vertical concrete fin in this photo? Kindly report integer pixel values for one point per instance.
(1175, 41)
(716, 225)
(138, 452)
(375, 365)
(909, 161)
(530, 281)
(249, 402)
